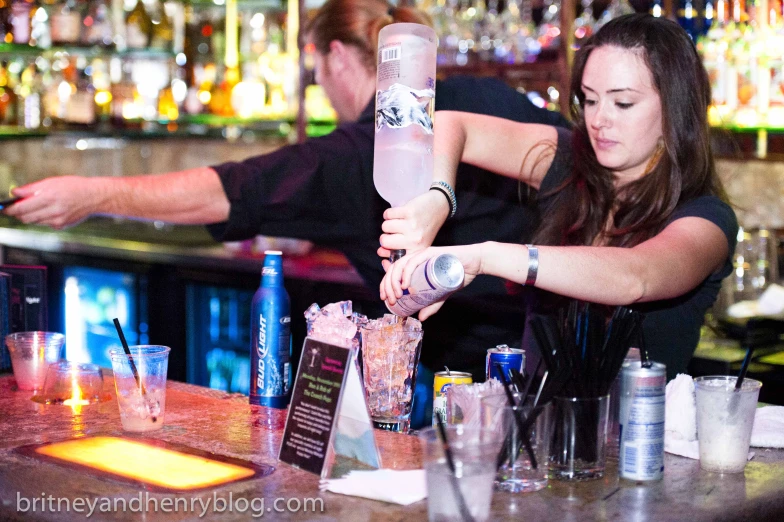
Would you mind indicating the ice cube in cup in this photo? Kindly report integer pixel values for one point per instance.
(141, 397)
(31, 354)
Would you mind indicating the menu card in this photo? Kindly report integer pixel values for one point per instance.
(328, 417)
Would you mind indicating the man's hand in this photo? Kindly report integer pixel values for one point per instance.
(58, 202)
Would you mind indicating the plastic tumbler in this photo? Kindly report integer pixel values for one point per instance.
(140, 381)
(465, 493)
(31, 355)
(724, 421)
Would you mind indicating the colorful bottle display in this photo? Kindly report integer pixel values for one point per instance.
(270, 360)
(743, 52)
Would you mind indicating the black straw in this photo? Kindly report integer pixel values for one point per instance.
(517, 414)
(465, 514)
(130, 357)
(744, 368)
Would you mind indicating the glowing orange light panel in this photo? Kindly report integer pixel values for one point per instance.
(145, 463)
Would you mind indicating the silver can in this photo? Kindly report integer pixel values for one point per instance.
(641, 455)
(431, 281)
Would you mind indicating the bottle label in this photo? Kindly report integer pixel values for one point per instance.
(136, 38)
(81, 108)
(401, 106)
(66, 27)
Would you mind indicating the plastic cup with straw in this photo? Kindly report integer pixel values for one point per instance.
(465, 514)
(151, 406)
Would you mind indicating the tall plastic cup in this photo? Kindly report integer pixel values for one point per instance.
(725, 418)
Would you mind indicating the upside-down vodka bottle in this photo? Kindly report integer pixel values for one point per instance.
(405, 100)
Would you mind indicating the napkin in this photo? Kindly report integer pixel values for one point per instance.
(768, 430)
(680, 418)
(387, 485)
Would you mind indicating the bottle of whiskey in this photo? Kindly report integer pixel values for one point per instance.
(66, 24)
(138, 27)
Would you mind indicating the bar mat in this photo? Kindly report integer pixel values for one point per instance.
(148, 463)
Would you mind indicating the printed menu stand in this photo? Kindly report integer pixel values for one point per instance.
(328, 429)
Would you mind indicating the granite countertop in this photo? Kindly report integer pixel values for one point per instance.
(226, 425)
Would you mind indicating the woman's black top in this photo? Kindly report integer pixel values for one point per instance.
(671, 327)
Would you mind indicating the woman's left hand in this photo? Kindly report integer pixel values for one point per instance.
(413, 226)
(398, 276)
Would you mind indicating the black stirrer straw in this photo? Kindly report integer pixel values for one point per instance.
(516, 413)
(465, 514)
(130, 357)
(744, 368)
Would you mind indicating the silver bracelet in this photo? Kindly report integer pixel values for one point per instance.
(533, 265)
(447, 190)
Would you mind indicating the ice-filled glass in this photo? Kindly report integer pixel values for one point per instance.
(31, 355)
(390, 353)
(724, 421)
(466, 493)
(140, 382)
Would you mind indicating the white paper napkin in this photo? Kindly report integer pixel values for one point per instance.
(387, 485)
(768, 430)
(680, 418)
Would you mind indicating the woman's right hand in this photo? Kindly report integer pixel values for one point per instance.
(413, 226)
(398, 276)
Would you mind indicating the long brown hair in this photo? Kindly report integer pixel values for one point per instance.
(685, 170)
(357, 23)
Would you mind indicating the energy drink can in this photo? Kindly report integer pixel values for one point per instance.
(641, 454)
(431, 281)
(442, 382)
(508, 358)
(270, 354)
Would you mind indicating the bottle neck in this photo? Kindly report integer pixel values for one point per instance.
(272, 272)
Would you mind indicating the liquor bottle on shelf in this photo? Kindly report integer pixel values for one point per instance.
(713, 46)
(66, 23)
(220, 94)
(687, 18)
(6, 28)
(81, 104)
(138, 27)
(162, 37)
(97, 25)
(22, 12)
(8, 98)
(40, 30)
(29, 100)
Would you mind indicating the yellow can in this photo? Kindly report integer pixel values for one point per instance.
(442, 381)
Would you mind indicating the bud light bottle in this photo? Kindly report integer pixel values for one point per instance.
(270, 337)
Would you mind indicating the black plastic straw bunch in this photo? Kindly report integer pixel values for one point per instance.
(584, 348)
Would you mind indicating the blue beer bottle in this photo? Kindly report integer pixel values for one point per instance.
(270, 359)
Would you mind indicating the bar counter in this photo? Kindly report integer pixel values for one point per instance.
(225, 424)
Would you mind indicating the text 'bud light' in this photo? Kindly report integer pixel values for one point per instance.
(270, 367)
